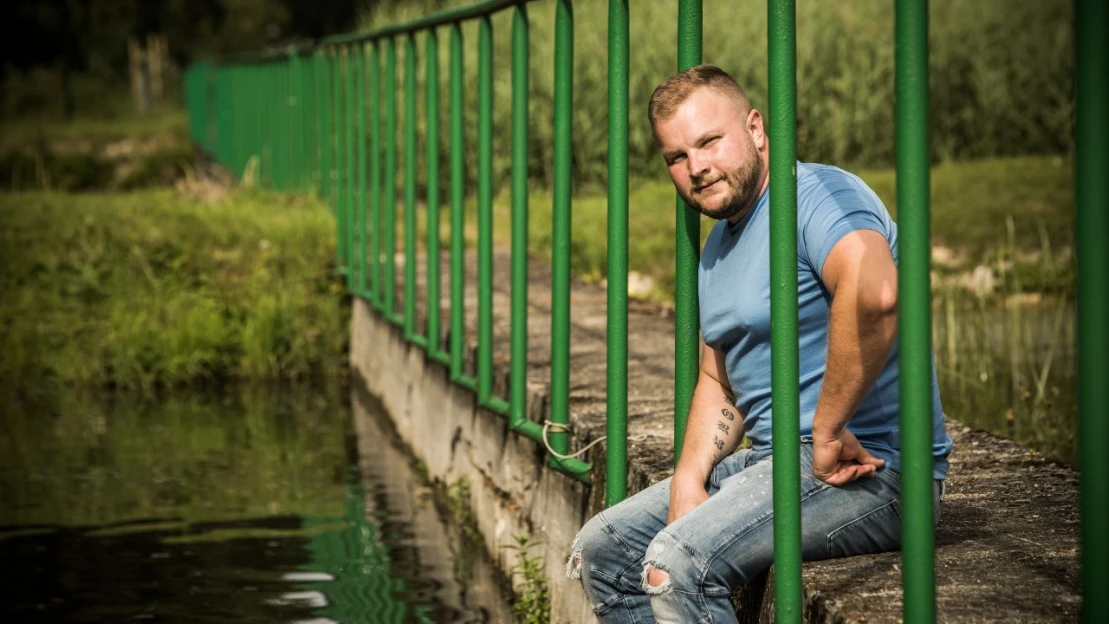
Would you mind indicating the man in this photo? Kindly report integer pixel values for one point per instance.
(675, 551)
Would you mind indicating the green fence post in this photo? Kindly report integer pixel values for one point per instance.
(616, 423)
(343, 161)
(360, 147)
(687, 250)
(485, 209)
(433, 255)
(785, 393)
(458, 190)
(351, 138)
(561, 224)
(390, 230)
(323, 91)
(915, 327)
(375, 175)
(410, 332)
(1092, 223)
(518, 397)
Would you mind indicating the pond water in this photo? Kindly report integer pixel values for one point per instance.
(243, 506)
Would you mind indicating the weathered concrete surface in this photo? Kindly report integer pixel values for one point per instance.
(1006, 547)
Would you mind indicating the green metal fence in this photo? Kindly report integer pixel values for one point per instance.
(297, 120)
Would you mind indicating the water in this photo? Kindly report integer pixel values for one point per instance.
(249, 506)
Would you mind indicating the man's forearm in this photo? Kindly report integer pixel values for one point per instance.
(860, 339)
(713, 430)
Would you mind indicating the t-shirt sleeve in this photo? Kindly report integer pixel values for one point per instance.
(839, 213)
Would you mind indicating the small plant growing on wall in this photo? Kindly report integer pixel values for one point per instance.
(533, 603)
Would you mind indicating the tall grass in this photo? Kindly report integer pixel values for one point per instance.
(158, 288)
(1001, 79)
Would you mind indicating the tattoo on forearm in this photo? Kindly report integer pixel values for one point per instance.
(727, 414)
(718, 442)
(723, 426)
(729, 400)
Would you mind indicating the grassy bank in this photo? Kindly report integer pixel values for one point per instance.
(166, 287)
(94, 154)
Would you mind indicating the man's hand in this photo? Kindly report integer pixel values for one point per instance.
(839, 458)
(685, 495)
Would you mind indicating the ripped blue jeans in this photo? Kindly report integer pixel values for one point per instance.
(726, 541)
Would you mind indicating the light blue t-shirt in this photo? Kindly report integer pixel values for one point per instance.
(734, 293)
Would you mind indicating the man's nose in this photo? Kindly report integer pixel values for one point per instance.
(698, 167)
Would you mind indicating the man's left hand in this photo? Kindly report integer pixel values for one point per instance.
(839, 459)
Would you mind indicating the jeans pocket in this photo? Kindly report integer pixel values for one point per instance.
(878, 530)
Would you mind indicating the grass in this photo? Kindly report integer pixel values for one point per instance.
(96, 129)
(156, 288)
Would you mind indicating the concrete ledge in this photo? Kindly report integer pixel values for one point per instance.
(1007, 546)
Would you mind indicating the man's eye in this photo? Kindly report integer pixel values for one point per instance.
(676, 159)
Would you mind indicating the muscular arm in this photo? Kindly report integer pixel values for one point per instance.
(861, 275)
(713, 430)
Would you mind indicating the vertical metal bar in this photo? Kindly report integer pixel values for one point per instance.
(433, 256)
(915, 327)
(785, 372)
(277, 108)
(517, 398)
(458, 181)
(354, 238)
(687, 246)
(265, 166)
(410, 187)
(360, 144)
(307, 123)
(485, 209)
(1092, 198)
(323, 90)
(390, 172)
(616, 424)
(560, 230)
(342, 161)
(375, 175)
(338, 190)
(293, 119)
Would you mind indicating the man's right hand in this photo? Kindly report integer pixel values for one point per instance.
(686, 493)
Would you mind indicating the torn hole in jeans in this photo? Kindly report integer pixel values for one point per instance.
(654, 590)
(573, 564)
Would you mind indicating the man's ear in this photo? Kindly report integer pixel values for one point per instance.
(755, 128)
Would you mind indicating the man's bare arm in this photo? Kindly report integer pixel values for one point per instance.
(713, 431)
(862, 278)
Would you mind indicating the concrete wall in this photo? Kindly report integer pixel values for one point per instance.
(512, 493)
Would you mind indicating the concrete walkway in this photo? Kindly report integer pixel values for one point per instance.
(1007, 546)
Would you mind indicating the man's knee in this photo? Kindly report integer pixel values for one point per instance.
(657, 579)
(591, 546)
(668, 562)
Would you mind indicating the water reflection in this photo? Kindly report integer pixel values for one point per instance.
(254, 506)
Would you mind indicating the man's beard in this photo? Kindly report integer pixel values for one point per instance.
(742, 188)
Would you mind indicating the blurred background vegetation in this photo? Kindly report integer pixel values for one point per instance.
(1001, 75)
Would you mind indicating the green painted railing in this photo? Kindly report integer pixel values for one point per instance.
(297, 120)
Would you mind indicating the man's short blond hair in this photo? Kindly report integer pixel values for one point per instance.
(669, 95)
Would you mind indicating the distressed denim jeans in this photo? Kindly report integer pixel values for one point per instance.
(726, 541)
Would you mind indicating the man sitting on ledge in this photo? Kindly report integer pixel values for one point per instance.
(675, 551)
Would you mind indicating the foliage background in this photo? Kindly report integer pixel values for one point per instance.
(1001, 79)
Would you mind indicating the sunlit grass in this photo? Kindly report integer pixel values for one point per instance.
(157, 287)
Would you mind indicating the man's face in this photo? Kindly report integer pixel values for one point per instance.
(712, 157)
